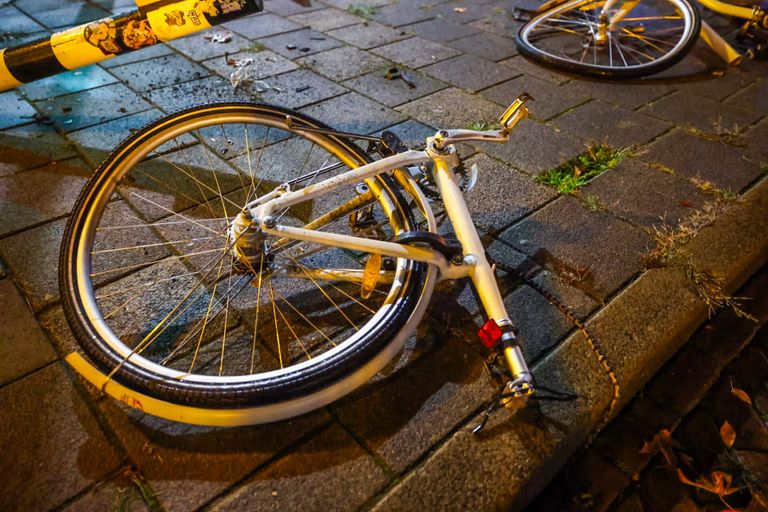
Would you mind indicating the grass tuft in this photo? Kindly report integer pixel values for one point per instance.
(710, 188)
(669, 240)
(710, 289)
(364, 11)
(567, 178)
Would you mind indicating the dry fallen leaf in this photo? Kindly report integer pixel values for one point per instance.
(719, 483)
(459, 9)
(662, 442)
(727, 434)
(741, 395)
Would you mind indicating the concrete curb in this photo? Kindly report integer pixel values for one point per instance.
(639, 330)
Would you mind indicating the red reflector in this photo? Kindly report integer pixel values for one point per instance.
(490, 333)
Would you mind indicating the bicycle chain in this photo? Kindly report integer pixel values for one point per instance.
(591, 339)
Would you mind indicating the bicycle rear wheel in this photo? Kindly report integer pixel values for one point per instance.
(161, 301)
(653, 36)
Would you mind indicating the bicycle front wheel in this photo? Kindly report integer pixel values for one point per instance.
(652, 36)
(171, 294)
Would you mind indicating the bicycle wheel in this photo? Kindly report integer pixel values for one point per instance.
(651, 37)
(171, 297)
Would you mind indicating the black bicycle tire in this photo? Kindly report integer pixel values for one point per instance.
(249, 394)
(531, 52)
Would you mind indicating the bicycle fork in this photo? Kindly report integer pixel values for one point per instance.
(520, 387)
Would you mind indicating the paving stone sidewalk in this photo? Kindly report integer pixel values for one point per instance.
(697, 139)
(718, 377)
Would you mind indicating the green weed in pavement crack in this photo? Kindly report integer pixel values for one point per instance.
(364, 11)
(570, 176)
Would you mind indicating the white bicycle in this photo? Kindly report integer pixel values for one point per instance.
(239, 263)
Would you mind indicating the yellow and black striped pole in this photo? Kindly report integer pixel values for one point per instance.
(154, 21)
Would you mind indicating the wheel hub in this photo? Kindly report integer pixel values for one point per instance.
(248, 243)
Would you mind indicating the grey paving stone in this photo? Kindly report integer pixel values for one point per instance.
(29, 146)
(299, 88)
(486, 45)
(440, 30)
(490, 471)
(502, 195)
(412, 132)
(534, 147)
(674, 151)
(31, 256)
(96, 142)
(501, 24)
(623, 439)
(177, 97)
(14, 111)
(55, 324)
(368, 35)
(258, 65)
(24, 347)
(402, 420)
(35, 196)
(299, 43)
(451, 108)
(630, 95)
(187, 465)
(345, 4)
(707, 115)
(719, 87)
(415, 52)
(54, 448)
(595, 477)
(204, 45)
(540, 324)
(326, 19)
(332, 471)
(644, 196)
(523, 65)
(342, 63)
(30, 5)
(150, 52)
(159, 72)
(261, 25)
(14, 25)
(288, 7)
(697, 370)
(549, 99)
(563, 236)
(398, 14)
(354, 113)
(462, 12)
(65, 83)
(80, 110)
(755, 138)
(470, 72)
(66, 16)
(394, 92)
(753, 98)
(110, 496)
(603, 123)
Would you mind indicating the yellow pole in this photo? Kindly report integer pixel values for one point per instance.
(154, 21)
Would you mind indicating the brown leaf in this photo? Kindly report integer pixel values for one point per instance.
(741, 395)
(662, 442)
(727, 434)
(719, 483)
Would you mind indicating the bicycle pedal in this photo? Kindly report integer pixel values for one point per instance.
(515, 113)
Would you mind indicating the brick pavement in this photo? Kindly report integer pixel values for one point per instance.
(402, 442)
(690, 397)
